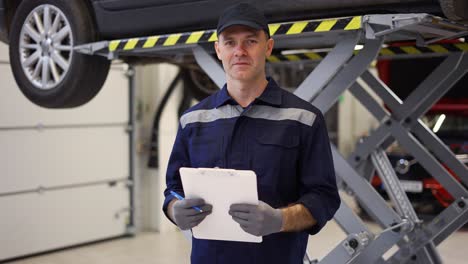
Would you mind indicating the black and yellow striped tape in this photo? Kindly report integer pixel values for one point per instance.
(443, 48)
(385, 52)
(310, 56)
(349, 23)
(163, 40)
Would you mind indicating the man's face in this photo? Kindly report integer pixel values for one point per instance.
(243, 52)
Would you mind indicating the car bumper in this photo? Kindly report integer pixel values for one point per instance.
(3, 24)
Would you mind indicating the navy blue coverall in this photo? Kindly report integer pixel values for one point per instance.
(284, 140)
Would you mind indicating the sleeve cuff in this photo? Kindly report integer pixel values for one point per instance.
(319, 213)
(167, 200)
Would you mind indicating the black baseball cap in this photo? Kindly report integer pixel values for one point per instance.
(242, 14)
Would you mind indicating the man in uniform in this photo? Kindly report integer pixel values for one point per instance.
(252, 124)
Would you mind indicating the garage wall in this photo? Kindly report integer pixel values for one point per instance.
(3, 53)
(63, 178)
(153, 82)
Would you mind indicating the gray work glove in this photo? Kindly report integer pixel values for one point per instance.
(187, 217)
(258, 220)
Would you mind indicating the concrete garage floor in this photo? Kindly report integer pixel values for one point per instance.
(172, 247)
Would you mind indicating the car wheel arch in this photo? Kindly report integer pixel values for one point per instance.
(12, 5)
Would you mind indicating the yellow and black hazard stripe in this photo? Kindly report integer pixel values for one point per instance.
(348, 23)
(163, 40)
(443, 48)
(434, 49)
(309, 56)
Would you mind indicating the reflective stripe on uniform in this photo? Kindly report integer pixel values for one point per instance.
(257, 111)
(277, 114)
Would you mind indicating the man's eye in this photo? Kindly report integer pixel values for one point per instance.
(229, 43)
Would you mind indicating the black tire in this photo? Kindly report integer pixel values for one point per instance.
(85, 74)
(456, 10)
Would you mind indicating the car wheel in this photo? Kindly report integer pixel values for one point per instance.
(46, 68)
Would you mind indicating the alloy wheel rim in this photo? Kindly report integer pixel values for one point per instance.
(46, 46)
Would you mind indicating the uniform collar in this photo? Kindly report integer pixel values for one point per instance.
(271, 95)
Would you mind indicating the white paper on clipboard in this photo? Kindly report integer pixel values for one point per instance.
(221, 188)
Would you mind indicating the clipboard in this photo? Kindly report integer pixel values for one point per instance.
(221, 188)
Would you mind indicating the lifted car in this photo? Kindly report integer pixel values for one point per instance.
(42, 33)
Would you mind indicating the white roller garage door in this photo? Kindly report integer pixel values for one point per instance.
(63, 173)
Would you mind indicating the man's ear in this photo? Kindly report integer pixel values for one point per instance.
(270, 44)
(218, 53)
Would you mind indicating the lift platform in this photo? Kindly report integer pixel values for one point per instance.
(331, 44)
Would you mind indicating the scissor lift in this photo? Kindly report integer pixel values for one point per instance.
(338, 70)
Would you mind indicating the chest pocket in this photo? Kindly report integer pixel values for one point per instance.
(270, 138)
(205, 148)
(275, 151)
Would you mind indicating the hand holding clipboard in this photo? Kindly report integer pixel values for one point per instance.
(221, 188)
